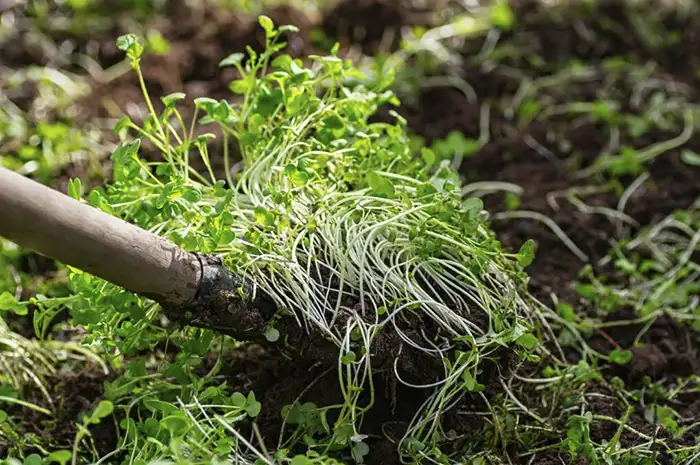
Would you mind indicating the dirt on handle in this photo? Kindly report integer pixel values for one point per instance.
(224, 302)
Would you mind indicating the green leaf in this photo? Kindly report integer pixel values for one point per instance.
(473, 206)
(566, 311)
(603, 111)
(34, 459)
(301, 460)
(627, 162)
(288, 28)
(416, 446)
(381, 186)
(75, 188)
(263, 216)
(125, 41)
(528, 109)
(256, 123)
(526, 254)
(690, 158)
(219, 189)
(123, 123)
(155, 405)
(428, 156)
(205, 103)
(8, 302)
(60, 456)
(620, 357)
(177, 424)
(234, 59)
(272, 335)
(625, 265)
(587, 291)
(239, 86)
(512, 201)
(157, 43)
(359, 451)
(126, 152)
(299, 178)
(192, 193)
(103, 409)
(252, 406)
(527, 340)
(638, 127)
(502, 15)
(171, 99)
(238, 399)
(204, 138)
(221, 111)
(3, 416)
(130, 44)
(470, 382)
(333, 121)
(662, 415)
(348, 358)
(455, 143)
(266, 24)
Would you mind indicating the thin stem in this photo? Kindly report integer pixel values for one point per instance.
(616, 438)
(524, 214)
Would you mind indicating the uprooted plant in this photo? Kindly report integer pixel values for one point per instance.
(354, 234)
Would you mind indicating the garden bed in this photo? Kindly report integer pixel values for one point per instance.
(577, 129)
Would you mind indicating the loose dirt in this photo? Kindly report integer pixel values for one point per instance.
(74, 395)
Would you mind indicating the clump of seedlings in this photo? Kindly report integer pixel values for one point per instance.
(362, 241)
(628, 391)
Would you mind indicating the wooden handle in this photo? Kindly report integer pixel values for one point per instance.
(51, 223)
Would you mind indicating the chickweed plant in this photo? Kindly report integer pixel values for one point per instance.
(654, 275)
(660, 275)
(349, 230)
(583, 408)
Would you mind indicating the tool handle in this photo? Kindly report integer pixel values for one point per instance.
(53, 224)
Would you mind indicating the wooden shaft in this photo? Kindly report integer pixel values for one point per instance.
(51, 223)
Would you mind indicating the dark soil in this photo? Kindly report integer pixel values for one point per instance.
(202, 36)
(74, 395)
(280, 381)
(374, 26)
